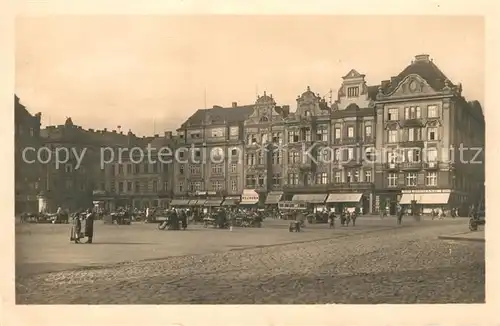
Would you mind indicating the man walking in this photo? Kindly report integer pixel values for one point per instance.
(89, 225)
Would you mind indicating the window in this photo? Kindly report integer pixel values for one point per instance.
(180, 186)
(181, 169)
(69, 184)
(137, 187)
(251, 139)
(322, 178)
(217, 169)
(356, 176)
(216, 185)
(260, 158)
(234, 152)
(250, 181)
(336, 153)
(264, 119)
(276, 157)
(195, 186)
(411, 134)
(165, 186)
(431, 179)
(68, 168)
(234, 185)
(350, 132)
(431, 154)
(413, 155)
(129, 186)
(432, 111)
(368, 176)
(393, 114)
(412, 112)
(234, 131)
(120, 187)
(322, 134)
(307, 113)
(370, 155)
(234, 168)
(195, 135)
(195, 169)
(306, 132)
(155, 186)
(261, 181)
(338, 177)
(276, 179)
(432, 133)
(263, 138)
(277, 137)
(326, 155)
(392, 136)
(181, 155)
(348, 176)
(352, 91)
(218, 132)
(337, 133)
(392, 179)
(250, 159)
(368, 131)
(350, 153)
(154, 167)
(411, 179)
(137, 168)
(293, 178)
(392, 157)
(293, 157)
(293, 136)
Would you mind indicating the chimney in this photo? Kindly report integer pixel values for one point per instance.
(113, 131)
(385, 83)
(105, 129)
(422, 58)
(234, 104)
(121, 132)
(168, 134)
(393, 80)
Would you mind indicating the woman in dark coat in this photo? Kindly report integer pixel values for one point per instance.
(89, 226)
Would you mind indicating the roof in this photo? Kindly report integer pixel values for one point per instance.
(217, 113)
(426, 69)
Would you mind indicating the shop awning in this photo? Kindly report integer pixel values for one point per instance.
(179, 202)
(230, 202)
(274, 197)
(344, 198)
(249, 197)
(440, 198)
(193, 202)
(310, 198)
(213, 202)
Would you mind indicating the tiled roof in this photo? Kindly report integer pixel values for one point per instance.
(426, 69)
(372, 92)
(224, 115)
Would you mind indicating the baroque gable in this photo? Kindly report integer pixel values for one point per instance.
(412, 85)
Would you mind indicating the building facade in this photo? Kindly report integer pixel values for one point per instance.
(209, 152)
(28, 175)
(422, 119)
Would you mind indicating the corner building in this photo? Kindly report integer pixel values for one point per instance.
(422, 118)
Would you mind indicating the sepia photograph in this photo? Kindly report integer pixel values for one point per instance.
(229, 159)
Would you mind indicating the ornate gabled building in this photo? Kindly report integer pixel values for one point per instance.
(210, 152)
(28, 175)
(421, 116)
(307, 163)
(353, 142)
(264, 140)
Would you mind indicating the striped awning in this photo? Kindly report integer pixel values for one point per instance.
(230, 202)
(273, 197)
(310, 198)
(179, 202)
(425, 198)
(344, 198)
(213, 202)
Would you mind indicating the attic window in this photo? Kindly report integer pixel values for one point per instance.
(353, 91)
(264, 119)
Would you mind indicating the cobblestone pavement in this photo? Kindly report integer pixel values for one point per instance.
(401, 265)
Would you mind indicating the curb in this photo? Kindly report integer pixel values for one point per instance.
(459, 238)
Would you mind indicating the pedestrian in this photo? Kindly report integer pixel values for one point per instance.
(76, 230)
(331, 219)
(400, 215)
(183, 218)
(89, 226)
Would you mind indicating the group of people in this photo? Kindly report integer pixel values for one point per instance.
(83, 226)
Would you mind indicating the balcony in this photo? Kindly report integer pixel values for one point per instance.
(412, 143)
(392, 166)
(406, 166)
(352, 163)
(350, 141)
(431, 166)
(352, 185)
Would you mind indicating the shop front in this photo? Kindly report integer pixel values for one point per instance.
(249, 198)
(179, 203)
(349, 201)
(315, 202)
(231, 201)
(424, 201)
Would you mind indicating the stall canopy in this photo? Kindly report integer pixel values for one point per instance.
(425, 198)
(230, 202)
(310, 198)
(179, 202)
(249, 197)
(344, 198)
(274, 197)
(197, 202)
(213, 202)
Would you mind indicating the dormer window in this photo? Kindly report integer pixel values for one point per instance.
(264, 119)
(353, 91)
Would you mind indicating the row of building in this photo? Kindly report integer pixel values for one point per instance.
(374, 146)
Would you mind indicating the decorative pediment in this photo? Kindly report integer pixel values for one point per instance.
(433, 123)
(353, 74)
(412, 85)
(392, 125)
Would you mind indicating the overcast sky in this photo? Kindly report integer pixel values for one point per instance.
(149, 73)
